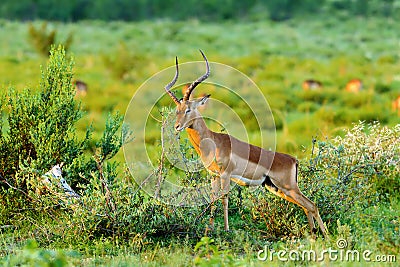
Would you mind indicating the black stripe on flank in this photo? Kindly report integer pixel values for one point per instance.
(268, 182)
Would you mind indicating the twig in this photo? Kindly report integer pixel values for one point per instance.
(4, 180)
(157, 193)
(104, 185)
(208, 207)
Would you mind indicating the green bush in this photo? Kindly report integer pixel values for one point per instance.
(344, 176)
(125, 63)
(354, 172)
(42, 133)
(32, 255)
(42, 40)
(42, 125)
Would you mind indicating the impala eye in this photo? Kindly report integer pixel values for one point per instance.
(187, 111)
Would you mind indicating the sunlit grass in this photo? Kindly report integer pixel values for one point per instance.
(276, 56)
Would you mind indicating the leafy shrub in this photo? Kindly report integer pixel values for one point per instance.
(42, 40)
(209, 254)
(382, 88)
(32, 255)
(42, 133)
(42, 125)
(355, 171)
(343, 176)
(124, 62)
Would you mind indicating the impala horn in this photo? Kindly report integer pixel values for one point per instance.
(168, 86)
(191, 87)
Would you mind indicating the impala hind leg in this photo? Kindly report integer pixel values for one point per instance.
(310, 209)
(310, 219)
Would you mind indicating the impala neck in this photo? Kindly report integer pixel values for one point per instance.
(197, 132)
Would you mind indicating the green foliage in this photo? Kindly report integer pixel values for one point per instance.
(42, 39)
(114, 223)
(209, 254)
(125, 63)
(42, 124)
(354, 172)
(344, 177)
(277, 10)
(111, 142)
(42, 133)
(32, 255)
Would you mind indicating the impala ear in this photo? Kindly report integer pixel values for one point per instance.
(204, 99)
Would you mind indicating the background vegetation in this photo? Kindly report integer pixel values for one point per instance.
(204, 10)
(350, 169)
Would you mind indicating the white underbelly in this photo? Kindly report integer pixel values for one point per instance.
(240, 180)
(249, 171)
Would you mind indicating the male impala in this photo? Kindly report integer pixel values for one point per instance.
(231, 159)
(396, 105)
(311, 85)
(354, 86)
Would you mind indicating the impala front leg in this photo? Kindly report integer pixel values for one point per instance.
(225, 186)
(220, 187)
(215, 187)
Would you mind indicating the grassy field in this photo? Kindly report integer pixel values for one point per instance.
(116, 58)
(276, 56)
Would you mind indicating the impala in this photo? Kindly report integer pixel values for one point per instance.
(354, 86)
(311, 85)
(231, 159)
(81, 87)
(396, 105)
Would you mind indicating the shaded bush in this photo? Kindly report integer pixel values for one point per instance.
(125, 62)
(42, 39)
(32, 255)
(382, 88)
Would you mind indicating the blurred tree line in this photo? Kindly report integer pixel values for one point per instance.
(133, 10)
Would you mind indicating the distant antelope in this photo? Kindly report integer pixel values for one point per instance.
(354, 86)
(396, 105)
(228, 158)
(311, 85)
(81, 87)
